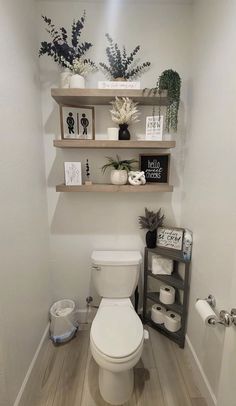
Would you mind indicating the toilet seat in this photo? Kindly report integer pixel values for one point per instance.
(117, 331)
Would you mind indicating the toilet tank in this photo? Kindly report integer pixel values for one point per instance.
(115, 274)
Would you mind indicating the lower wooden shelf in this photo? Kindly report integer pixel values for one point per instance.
(177, 337)
(106, 188)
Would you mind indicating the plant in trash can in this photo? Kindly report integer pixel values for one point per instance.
(151, 221)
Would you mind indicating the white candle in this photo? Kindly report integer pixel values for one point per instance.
(112, 133)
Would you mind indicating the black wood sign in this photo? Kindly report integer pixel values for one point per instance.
(155, 167)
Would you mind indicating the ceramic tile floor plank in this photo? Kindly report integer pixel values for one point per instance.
(42, 385)
(172, 383)
(198, 402)
(147, 359)
(148, 390)
(184, 365)
(71, 381)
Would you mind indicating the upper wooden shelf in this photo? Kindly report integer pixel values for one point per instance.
(81, 97)
(105, 144)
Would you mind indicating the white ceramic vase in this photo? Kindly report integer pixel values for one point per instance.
(65, 78)
(77, 82)
(119, 177)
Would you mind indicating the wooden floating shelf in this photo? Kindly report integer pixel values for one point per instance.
(108, 188)
(77, 97)
(104, 144)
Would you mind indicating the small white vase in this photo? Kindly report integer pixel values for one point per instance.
(65, 79)
(77, 82)
(119, 177)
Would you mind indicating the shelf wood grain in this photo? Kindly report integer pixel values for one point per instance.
(77, 97)
(106, 144)
(108, 188)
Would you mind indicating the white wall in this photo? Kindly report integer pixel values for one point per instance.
(80, 223)
(209, 179)
(24, 272)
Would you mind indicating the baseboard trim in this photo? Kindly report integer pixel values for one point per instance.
(28, 373)
(201, 378)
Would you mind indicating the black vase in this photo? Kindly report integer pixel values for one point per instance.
(124, 133)
(151, 239)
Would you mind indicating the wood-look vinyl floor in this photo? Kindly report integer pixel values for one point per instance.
(68, 376)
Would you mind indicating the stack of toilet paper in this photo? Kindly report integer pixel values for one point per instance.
(167, 294)
(171, 320)
(161, 266)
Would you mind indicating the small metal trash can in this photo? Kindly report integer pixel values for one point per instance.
(62, 321)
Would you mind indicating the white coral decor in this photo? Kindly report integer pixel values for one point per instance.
(124, 111)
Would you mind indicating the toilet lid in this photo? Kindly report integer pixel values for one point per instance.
(117, 331)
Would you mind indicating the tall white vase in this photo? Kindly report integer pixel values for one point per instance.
(77, 82)
(65, 78)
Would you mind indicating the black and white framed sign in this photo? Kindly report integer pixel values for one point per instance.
(170, 238)
(77, 122)
(155, 167)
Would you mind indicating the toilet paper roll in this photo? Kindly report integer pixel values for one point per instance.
(205, 311)
(161, 265)
(167, 294)
(158, 314)
(172, 321)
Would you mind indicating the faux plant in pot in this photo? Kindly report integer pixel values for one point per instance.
(79, 69)
(122, 66)
(65, 51)
(119, 173)
(124, 111)
(151, 221)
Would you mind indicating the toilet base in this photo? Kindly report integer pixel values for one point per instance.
(116, 387)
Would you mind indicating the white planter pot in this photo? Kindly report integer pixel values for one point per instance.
(119, 177)
(65, 78)
(77, 82)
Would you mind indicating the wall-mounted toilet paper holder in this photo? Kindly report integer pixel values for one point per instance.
(225, 318)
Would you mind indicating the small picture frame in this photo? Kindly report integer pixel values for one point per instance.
(155, 167)
(171, 238)
(154, 128)
(77, 123)
(73, 173)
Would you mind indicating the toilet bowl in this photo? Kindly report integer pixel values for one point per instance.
(116, 337)
(116, 342)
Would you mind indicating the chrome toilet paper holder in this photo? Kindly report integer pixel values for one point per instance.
(225, 318)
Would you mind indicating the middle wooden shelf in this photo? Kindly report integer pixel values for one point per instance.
(106, 144)
(106, 188)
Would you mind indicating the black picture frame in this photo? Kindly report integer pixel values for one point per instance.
(155, 167)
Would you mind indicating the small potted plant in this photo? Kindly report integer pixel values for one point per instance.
(124, 111)
(68, 54)
(119, 173)
(122, 66)
(151, 221)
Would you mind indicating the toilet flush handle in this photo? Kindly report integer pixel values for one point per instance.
(145, 334)
(96, 268)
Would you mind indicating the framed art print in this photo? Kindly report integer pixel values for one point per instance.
(155, 167)
(77, 122)
(154, 128)
(73, 173)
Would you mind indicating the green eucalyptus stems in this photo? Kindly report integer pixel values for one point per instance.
(120, 65)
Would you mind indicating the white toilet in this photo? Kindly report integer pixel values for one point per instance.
(116, 337)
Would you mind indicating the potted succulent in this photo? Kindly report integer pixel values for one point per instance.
(124, 111)
(119, 173)
(151, 221)
(122, 66)
(68, 54)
